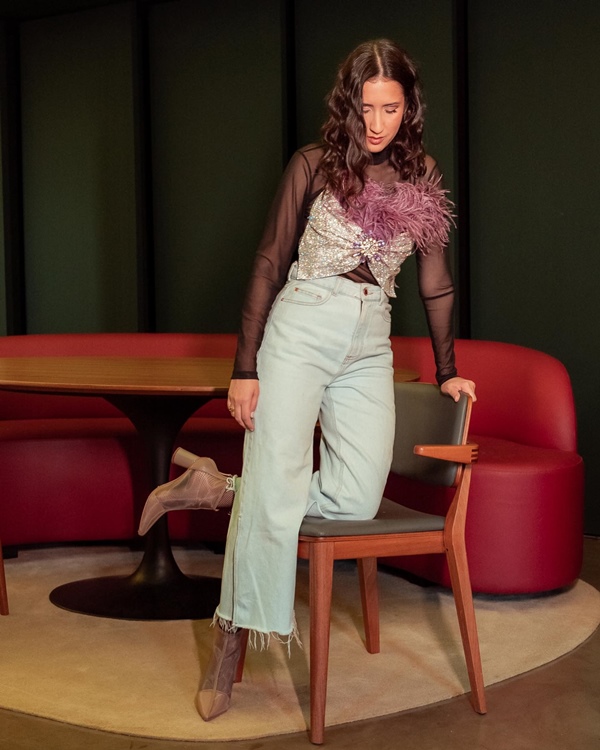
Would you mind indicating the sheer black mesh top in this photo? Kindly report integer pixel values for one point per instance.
(301, 184)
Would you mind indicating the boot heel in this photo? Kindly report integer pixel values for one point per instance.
(184, 458)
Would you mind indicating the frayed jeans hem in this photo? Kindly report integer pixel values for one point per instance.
(259, 640)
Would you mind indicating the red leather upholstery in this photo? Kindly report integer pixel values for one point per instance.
(525, 522)
(72, 468)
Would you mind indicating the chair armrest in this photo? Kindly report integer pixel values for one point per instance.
(462, 454)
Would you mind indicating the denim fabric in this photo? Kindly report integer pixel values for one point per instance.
(325, 356)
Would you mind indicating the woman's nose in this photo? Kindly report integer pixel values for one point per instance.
(375, 123)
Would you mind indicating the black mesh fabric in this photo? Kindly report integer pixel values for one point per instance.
(278, 248)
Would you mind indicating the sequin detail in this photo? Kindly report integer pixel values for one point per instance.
(332, 245)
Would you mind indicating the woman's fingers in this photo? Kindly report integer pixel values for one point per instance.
(242, 400)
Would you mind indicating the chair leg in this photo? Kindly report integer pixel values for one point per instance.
(321, 582)
(463, 599)
(3, 589)
(369, 596)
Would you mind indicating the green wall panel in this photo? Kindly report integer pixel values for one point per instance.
(217, 152)
(326, 31)
(78, 172)
(534, 84)
(3, 317)
(2, 249)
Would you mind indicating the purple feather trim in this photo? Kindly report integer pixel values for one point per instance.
(421, 210)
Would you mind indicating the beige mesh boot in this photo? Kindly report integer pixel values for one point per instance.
(214, 695)
(201, 486)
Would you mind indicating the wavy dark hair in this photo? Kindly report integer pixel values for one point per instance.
(344, 134)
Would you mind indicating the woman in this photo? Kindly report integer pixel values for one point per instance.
(316, 347)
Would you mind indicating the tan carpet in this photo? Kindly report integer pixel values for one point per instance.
(140, 678)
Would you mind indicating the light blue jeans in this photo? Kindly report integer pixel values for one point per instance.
(325, 356)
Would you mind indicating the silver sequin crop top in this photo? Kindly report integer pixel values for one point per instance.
(333, 245)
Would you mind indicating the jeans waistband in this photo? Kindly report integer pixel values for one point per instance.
(341, 285)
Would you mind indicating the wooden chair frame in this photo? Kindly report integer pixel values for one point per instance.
(322, 551)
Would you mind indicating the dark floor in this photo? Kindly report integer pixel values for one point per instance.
(555, 707)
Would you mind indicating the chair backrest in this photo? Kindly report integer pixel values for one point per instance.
(425, 416)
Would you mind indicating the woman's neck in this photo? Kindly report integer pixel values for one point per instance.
(380, 157)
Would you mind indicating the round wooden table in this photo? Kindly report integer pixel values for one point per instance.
(158, 395)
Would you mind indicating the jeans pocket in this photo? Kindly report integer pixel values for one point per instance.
(300, 293)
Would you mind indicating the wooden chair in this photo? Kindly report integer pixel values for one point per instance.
(529, 478)
(3, 590)
(430, 446)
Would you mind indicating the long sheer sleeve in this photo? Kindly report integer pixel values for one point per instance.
(436, 290)
(277, 248)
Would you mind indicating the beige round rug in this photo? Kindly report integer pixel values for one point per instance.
(140, 678)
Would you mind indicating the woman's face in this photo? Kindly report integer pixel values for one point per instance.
(383, 108)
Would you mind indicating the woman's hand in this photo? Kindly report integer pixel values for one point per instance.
(241, 401)
(455, 386)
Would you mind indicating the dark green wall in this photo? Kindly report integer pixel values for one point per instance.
(2, 286)
(216, 102)
(220, 101)
(78, 172)
(3, 192)
(424, 28)
(534, 87)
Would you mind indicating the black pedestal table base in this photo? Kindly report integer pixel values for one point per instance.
(187, 597)
(157, 590)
